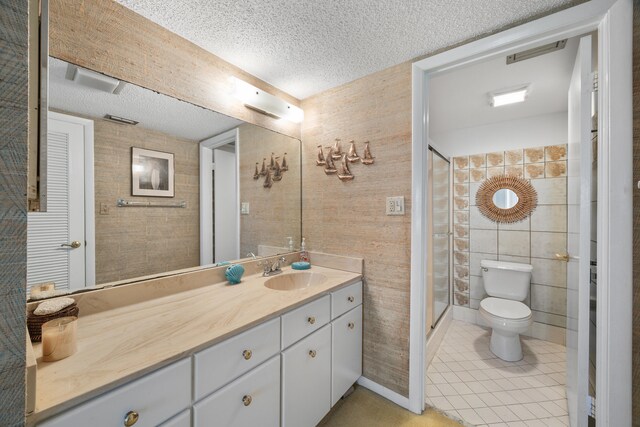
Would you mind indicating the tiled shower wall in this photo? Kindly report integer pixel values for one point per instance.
(534, 240)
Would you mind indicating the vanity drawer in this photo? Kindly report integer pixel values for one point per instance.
(345, 299)
(302, 321)
(155, 398)
(220, 364)
(251, 400)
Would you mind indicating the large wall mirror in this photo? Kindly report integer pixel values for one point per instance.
(141, 184)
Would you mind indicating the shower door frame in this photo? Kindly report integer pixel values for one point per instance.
(430, 301)
(613, 20)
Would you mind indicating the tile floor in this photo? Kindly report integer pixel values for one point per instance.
(468, 382)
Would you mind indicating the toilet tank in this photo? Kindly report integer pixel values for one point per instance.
(509, 280)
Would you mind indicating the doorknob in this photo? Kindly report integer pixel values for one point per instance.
(73, 245)
(563, 257)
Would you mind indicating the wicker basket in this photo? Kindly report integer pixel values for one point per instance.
(34, 323)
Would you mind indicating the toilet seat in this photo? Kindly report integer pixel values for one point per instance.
(505, 309)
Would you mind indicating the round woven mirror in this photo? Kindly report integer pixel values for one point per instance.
(506, 198)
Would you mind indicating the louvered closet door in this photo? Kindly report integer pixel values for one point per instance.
(63, 223)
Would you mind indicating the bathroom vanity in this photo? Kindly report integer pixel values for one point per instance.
(214, 355)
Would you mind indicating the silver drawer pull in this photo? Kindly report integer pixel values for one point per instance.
(351, 299)
(312, 353)
(246, 400)
(131, 418)
(247, 354)
(311, 320)
(351, 325)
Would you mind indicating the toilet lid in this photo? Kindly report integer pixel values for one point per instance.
(507, 309)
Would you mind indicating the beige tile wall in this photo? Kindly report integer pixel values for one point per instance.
(138, 241)
(348, 218)
(274, 213)
(533, 241)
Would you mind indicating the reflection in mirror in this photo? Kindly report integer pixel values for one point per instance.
(87, 238)
(505, 198)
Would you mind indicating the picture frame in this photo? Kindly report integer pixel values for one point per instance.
(152, 173)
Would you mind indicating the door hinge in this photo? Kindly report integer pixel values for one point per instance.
(591, 406)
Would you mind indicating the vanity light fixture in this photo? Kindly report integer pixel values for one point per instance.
(259, 100)
(510, 96)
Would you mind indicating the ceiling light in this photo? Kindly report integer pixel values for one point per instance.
(264, 102)
(512, 96)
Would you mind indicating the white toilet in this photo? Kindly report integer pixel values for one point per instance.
(507, 284)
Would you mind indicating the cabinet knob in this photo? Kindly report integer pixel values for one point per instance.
(246, 400)
(311, 320)
(131, 418)
(312, 353)
(351, 299)
(247, 354)
(351, 325)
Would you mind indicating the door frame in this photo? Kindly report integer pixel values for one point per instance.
(613, 22)
(206, 190)
(89, 194)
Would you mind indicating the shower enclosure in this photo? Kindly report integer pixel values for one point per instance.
(438, 255)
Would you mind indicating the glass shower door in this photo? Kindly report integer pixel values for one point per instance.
(439, 228)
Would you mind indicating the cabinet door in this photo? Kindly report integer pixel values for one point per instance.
(346, 351)
(251, 400)
(306, 380)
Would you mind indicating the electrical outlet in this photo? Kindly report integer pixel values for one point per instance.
(395, 205)
(104, 209)
(244, 208)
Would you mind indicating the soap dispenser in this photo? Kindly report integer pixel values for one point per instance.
(304, 255)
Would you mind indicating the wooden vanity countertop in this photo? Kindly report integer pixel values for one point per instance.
(125, 343)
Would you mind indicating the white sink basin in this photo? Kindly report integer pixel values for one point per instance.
(293, 281)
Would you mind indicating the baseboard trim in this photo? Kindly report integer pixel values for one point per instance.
(388, 394)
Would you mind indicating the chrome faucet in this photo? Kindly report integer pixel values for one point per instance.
(252, 255)
(272, 267)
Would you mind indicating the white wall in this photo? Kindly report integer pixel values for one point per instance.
(537, 131)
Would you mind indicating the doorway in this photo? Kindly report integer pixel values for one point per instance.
(61, 245)
(219, 199)
(612, 20)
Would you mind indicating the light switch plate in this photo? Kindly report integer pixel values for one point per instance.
(395, 205)
(244, 208)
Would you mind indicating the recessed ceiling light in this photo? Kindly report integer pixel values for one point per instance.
(506, 97)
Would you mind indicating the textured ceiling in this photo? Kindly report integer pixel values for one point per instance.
(153, 110)
(305, 47)
(460, 98)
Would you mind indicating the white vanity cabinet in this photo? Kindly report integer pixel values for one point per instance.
(306, 380)
(287, 371)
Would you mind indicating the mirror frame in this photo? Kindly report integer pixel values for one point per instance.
(527, 198)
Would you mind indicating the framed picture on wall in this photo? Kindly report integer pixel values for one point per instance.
(152, 173)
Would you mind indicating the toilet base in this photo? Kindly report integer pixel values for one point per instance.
(506, 345)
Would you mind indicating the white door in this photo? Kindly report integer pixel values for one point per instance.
(56, 238)
(226, 215)
(578, 237)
